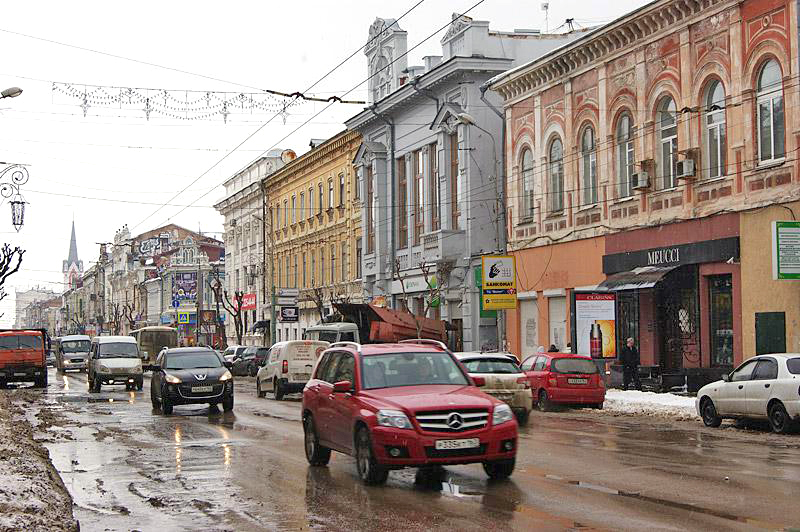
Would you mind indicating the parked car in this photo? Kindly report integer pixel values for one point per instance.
(407, 404)
(251, 359)
(232, 351)
(564, 378)
(72, 352)
(114, 360)
(241, 363)
(504, 380)
(190, 375)
(288, 367)
(762, 387)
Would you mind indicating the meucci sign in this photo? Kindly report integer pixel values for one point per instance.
(720, 250)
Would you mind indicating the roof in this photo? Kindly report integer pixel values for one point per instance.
(779, 355)
(74, 337)
(561, 355)
(110, 339)
(188, 350)
(483, 356)
(72, 258)
(409, 347)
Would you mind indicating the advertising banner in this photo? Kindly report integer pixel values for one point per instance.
(289, 314)
(184, 286)
(785, 250)
(499, 282)
(248, 302)
(595, 324)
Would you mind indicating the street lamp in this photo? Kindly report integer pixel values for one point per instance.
(11, 92)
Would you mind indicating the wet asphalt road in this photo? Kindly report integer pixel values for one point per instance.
(130, 468)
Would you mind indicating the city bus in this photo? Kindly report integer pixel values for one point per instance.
(152, 340)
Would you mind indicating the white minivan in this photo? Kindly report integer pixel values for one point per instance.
(288, 367)
(114, 360)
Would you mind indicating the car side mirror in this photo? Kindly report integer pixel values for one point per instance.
(342, 387)
(228, 365)
(726, 377)
(479, 381)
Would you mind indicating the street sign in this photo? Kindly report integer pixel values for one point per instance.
(176, 303)
(785, 250)
(286, 301)
(289, 292)
(499, 283)
(289, 314)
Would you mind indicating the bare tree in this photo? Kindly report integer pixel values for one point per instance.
(129, 311)
(234, 308)
(435, 288)
(317, 296)
(10, 262)
(116, 317)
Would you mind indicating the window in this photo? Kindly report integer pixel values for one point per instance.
(767, 369)
(277, 216)
(589, 166)
(455, 212)
(322, 267)
(433, 187)
(556, 164)
(288, 272)
(344, 262)
(668, 125)
(280, 272)
(744, 372)
(402, 204)
(770, 113)
(419, 187)
(625, 155)
(321, 198)
(541, 362)
(238, 280)
(305, 266)
(793, 364)
(302, 206)
(294, 209)
(358, 258)
(310, 202)
(720, 295)
(345, 370)
(330, 193)
(370, 211)
(295, 272)
(527, 365)
(285, 213)
(527, 184)
(341, 189)
(357, 188)
(333, 264)
(715, 129)
(313, 269)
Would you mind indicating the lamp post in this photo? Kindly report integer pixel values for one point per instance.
(11, 92)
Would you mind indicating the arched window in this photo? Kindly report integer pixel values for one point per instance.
(556, 163)
(715, 129)
(668, 126)
(770, 113)
(588, 166)
(625, 154)
(527, 184)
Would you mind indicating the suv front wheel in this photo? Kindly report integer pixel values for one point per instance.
(500, 469)
(369, 470)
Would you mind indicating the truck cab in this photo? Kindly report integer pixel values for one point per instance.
(333, 332)
(22, 356)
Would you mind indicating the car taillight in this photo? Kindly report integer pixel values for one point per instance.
(524, 382)
(285, 367)
(552, 381)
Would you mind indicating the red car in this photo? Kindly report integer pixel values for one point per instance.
(409, 404)
(564, 379)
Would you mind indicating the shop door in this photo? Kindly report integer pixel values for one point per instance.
(679, 329)
(557, 307)
(529, 327)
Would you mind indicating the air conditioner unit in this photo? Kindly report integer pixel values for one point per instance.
(640, 181)
(685, 168)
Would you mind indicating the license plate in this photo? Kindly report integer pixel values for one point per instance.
(301, 376)
(200, 389)
(468, 443)
(20, 374)
(577, 381)
(77, 360)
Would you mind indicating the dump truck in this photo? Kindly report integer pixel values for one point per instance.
(22, 356)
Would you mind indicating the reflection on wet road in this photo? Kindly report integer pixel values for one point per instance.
(129, 467)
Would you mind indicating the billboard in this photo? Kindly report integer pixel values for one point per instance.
(248, 301)
(595, 324)
(785, 250)
(184, 286)
(499, 282)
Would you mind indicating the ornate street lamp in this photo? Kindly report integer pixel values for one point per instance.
(18, 176)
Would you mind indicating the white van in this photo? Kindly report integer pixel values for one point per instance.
(288, 367)
(114, 360)
(341, 331)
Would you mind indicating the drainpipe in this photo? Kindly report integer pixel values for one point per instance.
(392, 184)
(502, 243)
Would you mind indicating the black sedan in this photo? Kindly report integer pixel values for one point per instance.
(190, 375)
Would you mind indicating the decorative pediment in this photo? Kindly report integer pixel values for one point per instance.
(379, 27)
(459, 24)
(367, 151)
(447, 117)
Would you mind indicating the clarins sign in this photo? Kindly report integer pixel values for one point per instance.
(720, 250)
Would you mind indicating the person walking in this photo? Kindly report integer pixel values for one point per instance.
(630, 365)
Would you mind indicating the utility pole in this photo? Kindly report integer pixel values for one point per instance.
(264, 255)
(273, 314)
(199, 284)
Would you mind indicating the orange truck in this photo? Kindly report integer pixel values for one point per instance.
(22, 356)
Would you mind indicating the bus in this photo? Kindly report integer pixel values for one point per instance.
(152, 340)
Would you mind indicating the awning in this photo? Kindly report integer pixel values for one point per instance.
(261, 324)
(636, 279)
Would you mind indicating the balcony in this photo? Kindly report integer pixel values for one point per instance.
(444, 244)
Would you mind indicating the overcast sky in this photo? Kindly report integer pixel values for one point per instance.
(78, 164)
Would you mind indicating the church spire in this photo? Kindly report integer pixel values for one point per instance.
(73, 266)
(73, 247)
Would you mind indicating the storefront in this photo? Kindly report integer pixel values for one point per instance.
(678, 294)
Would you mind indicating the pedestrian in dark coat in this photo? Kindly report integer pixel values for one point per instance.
(630, 365)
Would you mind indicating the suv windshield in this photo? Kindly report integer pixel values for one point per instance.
(76, 346)
(794, 365)
(21, 342)
(118, 350)
(410, 369)
(573, 365)
(491, 365)
(192, 361)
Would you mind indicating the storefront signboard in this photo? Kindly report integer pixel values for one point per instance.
(785, 250)
(249, 301)
(289, 314)
(594, 327)
(719, 250)
(499, 283)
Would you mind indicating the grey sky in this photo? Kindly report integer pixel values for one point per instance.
(119, 155)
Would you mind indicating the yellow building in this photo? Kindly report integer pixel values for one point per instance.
(314, 231)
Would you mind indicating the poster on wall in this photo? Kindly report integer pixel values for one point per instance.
(785, 250)
(184, 286)
(595, 324)
(499, 282)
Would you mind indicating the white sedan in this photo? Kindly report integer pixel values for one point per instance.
(503, 379)
(763, 387)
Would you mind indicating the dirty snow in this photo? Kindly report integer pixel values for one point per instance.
(32, 495)
(666, 405)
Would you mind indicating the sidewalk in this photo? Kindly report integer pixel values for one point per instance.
(32, 495)
(666, 405)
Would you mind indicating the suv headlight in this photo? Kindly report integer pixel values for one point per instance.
(137, 369)
(226, 376)
(102, 369)
(502, 413)
(393, 418)
(172, 379)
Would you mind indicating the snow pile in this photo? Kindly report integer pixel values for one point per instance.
(32, 495)
(665, 405)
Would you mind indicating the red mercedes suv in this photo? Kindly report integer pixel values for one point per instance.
(409, 404)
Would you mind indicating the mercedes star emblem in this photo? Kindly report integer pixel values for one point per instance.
(455, 421)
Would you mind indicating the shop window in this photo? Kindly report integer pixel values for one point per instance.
(628, 317)
(721, 316)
